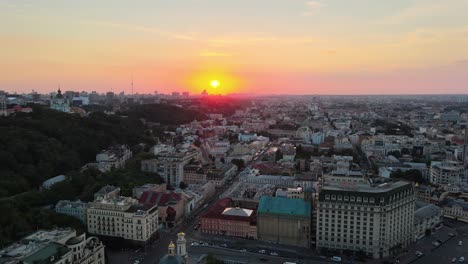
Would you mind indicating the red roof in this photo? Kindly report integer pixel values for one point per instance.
(216, 212)
(160, 198)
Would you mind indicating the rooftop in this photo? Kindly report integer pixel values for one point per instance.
(160, 198)
(284, 206)
(50, 235)
(426, 211)
(236, 211)
(375, 186)
(223, 209)
(49, 254)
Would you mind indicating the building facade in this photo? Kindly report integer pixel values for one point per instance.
(446, 172)
(58, 246)
(194, 174)
(171, 171)
(375, 218)
(75, 209)
(285, 221)
(224, 218)
(456, 209)
(123, 217)
(426, 218)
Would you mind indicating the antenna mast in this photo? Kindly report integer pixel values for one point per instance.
(132, 83)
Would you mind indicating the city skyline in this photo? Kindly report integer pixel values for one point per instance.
(257, 47)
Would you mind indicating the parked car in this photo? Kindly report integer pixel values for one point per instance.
(274, 254)
(336, 259)
(454, 260)
(243, 250)
(461, 259)
(262, 251)
(460, 243)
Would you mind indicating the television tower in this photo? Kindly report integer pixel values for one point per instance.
(465, 143)
(132, 83)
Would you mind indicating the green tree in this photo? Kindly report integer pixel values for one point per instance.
(182, 185)
(210, 259)
(278, 155)
(239, 163)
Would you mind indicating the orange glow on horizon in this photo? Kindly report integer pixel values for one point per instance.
(214, 82)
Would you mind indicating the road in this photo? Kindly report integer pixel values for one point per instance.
(445, 252)
(449, 249)
(157, 249)
(250, 257)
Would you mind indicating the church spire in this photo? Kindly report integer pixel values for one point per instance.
(171, 249)
(182, 246)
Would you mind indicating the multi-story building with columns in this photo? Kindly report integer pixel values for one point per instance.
(375, 217)
(122, 217)
(58, 246)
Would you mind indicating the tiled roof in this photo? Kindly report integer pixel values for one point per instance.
(160, 198)
(216, 211)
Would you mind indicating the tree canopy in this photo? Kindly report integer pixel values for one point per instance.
(37, 146)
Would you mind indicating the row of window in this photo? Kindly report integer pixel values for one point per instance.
(345, 240)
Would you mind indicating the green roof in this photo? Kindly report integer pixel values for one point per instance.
(284, 206)
(43, 256)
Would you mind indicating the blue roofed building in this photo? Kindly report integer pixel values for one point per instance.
(285, 221)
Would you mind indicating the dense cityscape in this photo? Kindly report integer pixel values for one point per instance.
(233, 132)
(180, 178)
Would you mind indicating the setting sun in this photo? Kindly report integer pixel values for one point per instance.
(214, 83)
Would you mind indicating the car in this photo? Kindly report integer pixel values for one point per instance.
(454, 260)
(461, 259)
(262, 251)
(274, 254)
(335, 259)
(418, 253)
(194, 244)
(136, 262)
(223, 245)
(460, 243)
(243, 250)
(451, 234)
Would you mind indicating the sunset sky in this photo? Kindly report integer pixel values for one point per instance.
(250, 46)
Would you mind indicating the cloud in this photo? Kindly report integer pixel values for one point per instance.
(311, 8)
(150, 30)
(214, 54)
(426, 10)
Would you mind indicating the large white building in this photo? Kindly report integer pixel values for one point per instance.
(75, 209)
(426, 217)
(58, 246)
(171, 171)
(60, 103)
(217, 148)
(375, 217)
(170, 166)
(122, 217)
(446, 172)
